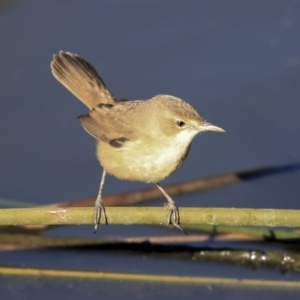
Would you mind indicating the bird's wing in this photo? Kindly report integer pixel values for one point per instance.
(109, 123)
(80, 78)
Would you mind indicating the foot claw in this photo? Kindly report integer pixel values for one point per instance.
(173, 211)
(99, 207)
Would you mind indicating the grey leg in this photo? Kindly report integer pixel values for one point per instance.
(99, 204)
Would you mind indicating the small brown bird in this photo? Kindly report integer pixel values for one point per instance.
(137, 140)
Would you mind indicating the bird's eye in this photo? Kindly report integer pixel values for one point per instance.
(180, 123)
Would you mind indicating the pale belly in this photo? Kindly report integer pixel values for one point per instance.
(135, 162)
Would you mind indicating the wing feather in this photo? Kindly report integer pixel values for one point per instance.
(103, 123)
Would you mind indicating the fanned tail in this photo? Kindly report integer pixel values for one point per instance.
(81, 79)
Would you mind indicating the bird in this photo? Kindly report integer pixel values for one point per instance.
(137, 140)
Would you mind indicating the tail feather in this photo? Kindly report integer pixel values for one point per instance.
(81, 79)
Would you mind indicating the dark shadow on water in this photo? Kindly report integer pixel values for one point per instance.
(268, 171)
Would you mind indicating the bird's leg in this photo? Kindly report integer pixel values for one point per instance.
(173, 210)
(99, 205)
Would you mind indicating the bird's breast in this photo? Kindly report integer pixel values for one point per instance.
(145, 160)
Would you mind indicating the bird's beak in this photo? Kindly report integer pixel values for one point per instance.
(210, 127)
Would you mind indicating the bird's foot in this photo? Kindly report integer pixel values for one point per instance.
(99, 207)
(174, 212)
